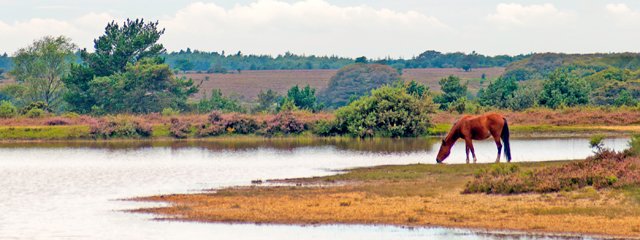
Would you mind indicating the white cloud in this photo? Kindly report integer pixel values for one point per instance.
(310, 26)
(623, 13)
(81, 30)
(518, 15)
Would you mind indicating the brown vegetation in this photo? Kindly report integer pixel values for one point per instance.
(414, 195)
(248, 84)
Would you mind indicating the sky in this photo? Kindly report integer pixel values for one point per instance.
(350, 28)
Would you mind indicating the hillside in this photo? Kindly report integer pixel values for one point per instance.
(247, 84)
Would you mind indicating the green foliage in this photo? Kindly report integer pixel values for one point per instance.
(125, 64)
(523, 98)
(35, 105)
(143, 88)
(169, 112)
(389, 112)
(625, 99)
(41, 67)
(362, 59)
(634, 146)
(563, 89)
(217, 101)
(357, 80)
(416, 89)
(267, 101)
(596, 143)
(7, 110)
(498, 93)
(452, 90)
(287, 105)
(303, 98)
(35, 113)
(14, 92)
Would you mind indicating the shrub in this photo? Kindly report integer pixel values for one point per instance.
(284, 123)
(35, 113)
(112, 127)
(34, 105)
(210, 130)
(325, 128)
(605, 169)
(57, 121)
(7, 110)
(240, 124)
(179, 129)
(214, 117)
(169, 112)
(388, 112)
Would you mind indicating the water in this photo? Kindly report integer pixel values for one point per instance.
(71, 190)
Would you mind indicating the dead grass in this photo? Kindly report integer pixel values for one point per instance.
(413, 195)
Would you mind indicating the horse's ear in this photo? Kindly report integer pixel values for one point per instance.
(442, 141)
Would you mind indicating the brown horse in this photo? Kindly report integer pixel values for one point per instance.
(477, 128)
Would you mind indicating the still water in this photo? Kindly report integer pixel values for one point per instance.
(71, 190)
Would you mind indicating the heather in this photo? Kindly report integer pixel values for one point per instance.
(606, 169)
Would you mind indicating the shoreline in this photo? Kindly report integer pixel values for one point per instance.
(396, 195)
(81, 133)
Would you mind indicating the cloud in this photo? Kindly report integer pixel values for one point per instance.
(623, 14)
(309, 26)
(536, 15)
(81, 30)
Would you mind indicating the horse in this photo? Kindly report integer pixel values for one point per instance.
(477, 128)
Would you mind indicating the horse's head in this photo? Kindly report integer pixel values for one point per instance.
(444, 152)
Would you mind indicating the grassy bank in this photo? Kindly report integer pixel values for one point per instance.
(162, 131)
(412, 195)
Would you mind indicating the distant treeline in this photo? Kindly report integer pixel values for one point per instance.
(214, 62)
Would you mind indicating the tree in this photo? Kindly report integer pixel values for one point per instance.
(625, 99)
(217, 101)
(452, 90)
(563, 89)
(356, 80)
(122, 45)
(362, 59)
(498, 93)
(267, 101)
(143, 87)
(122, 54)
(42, 65)
(416, 89)
(303, 98)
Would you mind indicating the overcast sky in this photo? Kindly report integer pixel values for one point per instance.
(373, 28)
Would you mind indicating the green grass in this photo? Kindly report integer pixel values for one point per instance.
(44, 133)
(417, 171)
(160, 131)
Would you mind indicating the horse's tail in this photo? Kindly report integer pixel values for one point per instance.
(505, 140)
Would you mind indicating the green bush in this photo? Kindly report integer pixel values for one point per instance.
(325, 128)
(35, 113)
(169, 112)
(7, 110)
(388, 112)
(34, 105)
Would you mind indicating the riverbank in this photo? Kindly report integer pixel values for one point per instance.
(161, 132)
(411, 195)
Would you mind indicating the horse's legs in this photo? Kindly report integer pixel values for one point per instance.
(499, 145)
(470, 146)
(467, 150)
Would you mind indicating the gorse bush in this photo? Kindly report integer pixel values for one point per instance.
(388, 112)
(57, 121)
(240, 124)
(119, 126)
(7, 110)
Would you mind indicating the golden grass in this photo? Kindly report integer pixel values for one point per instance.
(413, 195)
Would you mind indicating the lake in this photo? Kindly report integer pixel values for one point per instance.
(71, 190)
